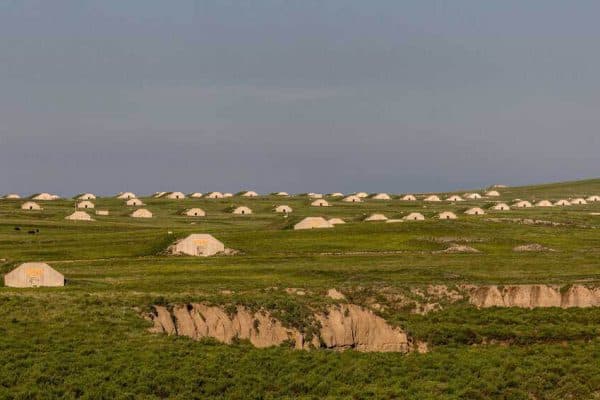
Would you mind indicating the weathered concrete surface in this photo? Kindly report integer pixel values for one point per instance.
(34, 274)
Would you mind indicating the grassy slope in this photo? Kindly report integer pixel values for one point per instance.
(582, 188)
(88, 340)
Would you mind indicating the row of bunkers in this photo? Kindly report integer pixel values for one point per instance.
(285, 209)
(198, 212)
(352, 198)
(203, 245)
(84, 202)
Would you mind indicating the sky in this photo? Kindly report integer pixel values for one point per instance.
(323, 96)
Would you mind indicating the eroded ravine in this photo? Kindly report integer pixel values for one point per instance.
(341, 327)
(534, 296)
(350, 326)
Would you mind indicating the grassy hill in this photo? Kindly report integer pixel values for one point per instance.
(582, 188)
(89, 340)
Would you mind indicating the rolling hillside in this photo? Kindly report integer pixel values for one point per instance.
(91, 338)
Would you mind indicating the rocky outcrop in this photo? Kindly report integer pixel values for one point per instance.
(341, 327)
(533, 296)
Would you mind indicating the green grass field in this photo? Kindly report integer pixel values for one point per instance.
(88, 339)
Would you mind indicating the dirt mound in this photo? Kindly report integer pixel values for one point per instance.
(334, 294)
(455, 239)
(527, 221)
(459, 248)
(533, 247)
(342, 327)
(296, 291)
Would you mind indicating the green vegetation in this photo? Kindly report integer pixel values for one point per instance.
(88, 339)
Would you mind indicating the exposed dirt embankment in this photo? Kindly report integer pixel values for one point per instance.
(342, 327)
(434, 298)
(351, 326)
(532, 296)
(198, 321)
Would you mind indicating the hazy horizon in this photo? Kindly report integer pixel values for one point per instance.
(272, 95)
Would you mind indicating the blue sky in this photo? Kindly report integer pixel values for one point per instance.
(299, 96)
